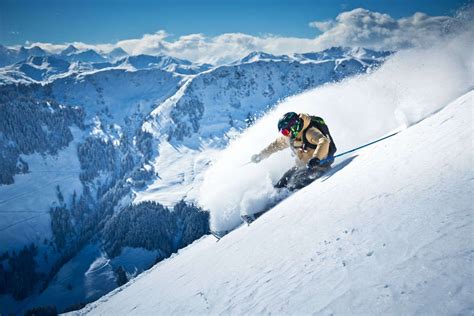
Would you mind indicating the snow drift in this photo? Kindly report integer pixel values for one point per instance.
(389, 234)
(406, 89)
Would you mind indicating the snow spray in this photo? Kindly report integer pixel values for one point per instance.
(408, 87)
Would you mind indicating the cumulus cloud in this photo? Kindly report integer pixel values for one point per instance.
(323, 26)
(148, 44)
(359, 27)
(215, 50)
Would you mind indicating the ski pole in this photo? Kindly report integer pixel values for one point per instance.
(357, 148)
(243, 165)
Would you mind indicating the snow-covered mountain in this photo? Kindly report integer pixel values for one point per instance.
(117, 53)
(73, 53)
(349, 243)
(262, 56)
(24, 66)
(331, 54)
(46, 69)
(10, 56)
(71, 49)
(87, 56)
(36, 68)
(161, 62)
(96, 162)
(7, 56)
(343, 52)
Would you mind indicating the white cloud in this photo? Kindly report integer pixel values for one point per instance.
(148, 44)
(323, 26)
(359, 27)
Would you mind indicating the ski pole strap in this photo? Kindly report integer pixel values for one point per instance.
(357, 148)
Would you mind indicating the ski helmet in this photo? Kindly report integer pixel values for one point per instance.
(290, 124)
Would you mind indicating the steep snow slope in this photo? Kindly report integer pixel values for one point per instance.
(390, 233)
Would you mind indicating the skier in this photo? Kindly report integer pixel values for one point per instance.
(311, 143)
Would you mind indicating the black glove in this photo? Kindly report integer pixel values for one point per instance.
(313, 162)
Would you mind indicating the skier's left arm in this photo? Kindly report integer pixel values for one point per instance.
(315, 136)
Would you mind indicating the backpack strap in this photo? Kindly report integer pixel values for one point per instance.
(306, 143)
(319, 123)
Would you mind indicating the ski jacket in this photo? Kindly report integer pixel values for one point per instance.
(302, 152)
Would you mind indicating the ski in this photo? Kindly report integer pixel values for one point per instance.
(219, 234)
(250, 218)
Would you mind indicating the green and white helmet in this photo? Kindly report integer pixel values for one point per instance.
(290, 124)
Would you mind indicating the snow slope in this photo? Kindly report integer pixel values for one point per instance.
(390, 233)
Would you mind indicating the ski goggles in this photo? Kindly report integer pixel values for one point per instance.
(292, 129)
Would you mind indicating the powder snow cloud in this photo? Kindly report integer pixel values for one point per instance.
(359, 27)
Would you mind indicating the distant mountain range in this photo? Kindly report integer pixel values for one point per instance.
(9, 56)
(24, 65)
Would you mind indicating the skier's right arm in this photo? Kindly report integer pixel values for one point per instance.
(277, 145)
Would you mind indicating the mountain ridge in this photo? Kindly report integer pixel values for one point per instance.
(91, 59)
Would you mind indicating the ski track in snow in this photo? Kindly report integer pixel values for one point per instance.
(397, 239)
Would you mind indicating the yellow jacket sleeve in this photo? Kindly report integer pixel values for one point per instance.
(278, 144)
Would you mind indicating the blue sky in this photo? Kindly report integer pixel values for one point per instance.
(110, 21)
